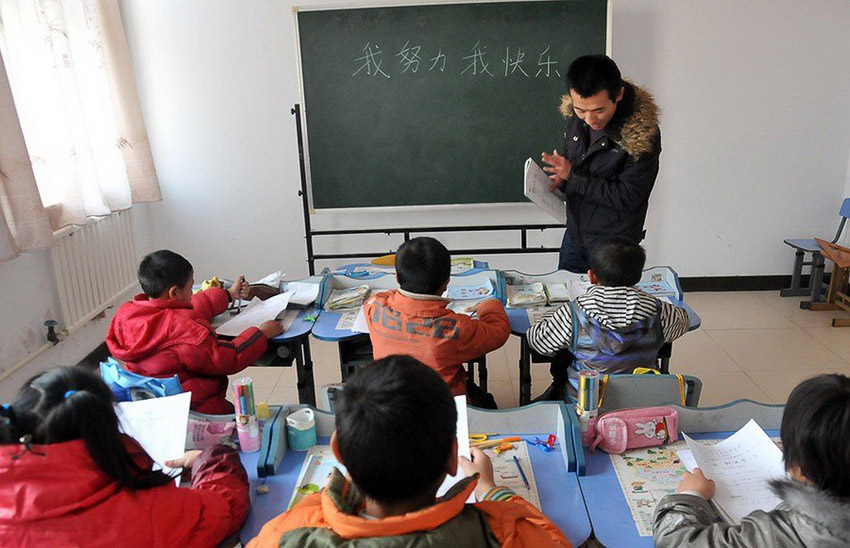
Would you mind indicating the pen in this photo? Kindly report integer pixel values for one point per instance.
(521, 473)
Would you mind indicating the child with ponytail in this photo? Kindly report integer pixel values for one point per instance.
(69, 477)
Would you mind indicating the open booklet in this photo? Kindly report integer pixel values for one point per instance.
(536, 188)
(741, 466)
(540, 294)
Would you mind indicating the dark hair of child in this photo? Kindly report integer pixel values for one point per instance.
(590, 74)
(815, 430)
(617, 262)
(70, 403)
(395, 425)
(423, 265)
(161, 270)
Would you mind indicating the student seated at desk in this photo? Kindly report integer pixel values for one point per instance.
(815, 508)
(396, 435)
(166, 330)
(614, 327)
(68, 477)
(414, 320)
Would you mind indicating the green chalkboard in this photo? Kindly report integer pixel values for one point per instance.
(436, 104)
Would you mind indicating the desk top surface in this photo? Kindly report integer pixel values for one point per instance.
(606, 505)
(559, 492)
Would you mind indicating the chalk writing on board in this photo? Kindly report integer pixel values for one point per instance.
(515, 64)
(371, 61)
(546, 65)
(476, 61)
(437, 59)
(409, 57)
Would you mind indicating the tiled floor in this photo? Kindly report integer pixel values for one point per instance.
(754, 345)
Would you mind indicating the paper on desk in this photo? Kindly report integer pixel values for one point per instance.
(462, 448)
(305, 292)
(577, 288)
(255, 313)
(272, 279)
(741, 466)
(360, 323)
(158, 424)
(536, 189)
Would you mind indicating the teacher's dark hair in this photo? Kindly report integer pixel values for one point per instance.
(814, 431)
(423, 265)
(70, 403)
(396, 423)
(591, 74)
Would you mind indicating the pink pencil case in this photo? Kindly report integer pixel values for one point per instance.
(619, 431)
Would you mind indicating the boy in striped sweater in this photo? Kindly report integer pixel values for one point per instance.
(614, 327)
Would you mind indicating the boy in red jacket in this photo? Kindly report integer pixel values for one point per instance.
(414, 320)
(166, 330)
(396, 435)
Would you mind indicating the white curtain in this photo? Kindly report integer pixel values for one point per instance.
(71, 79)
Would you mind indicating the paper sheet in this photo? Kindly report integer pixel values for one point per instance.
(319, 464)
(158, 424)
(462, 447)
(538, 313)
(255, 313)
(505, 472)
(272, 279)
(360, 323)
(741, 466)
(347, 319)
(646, 476)
(304, 293)
(577, 288)
(536, 189)
(478, 292)
(288, 319)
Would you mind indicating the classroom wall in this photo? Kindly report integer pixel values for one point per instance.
(754, 124)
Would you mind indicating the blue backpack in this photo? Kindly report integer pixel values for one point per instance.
(129, 386)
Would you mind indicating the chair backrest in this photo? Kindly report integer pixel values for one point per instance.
(624, 391)
(129, 386)
(844, 212)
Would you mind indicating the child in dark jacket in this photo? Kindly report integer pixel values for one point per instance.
(614, 327)
(166, 330)
(815, 508)
(68, 477)
(395, 433)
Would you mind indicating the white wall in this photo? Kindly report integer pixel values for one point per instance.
(755, 118)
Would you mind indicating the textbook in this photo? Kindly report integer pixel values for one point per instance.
(352, 297)
(536, 189)
(530, 295)
(741, 466)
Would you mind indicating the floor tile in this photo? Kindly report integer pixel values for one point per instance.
(836, 339)
(735, 310)
(790, 308)
(719, 387)
(779, 383)
(775, 349)
(695, 351)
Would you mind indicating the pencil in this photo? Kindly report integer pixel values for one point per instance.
(521, 473)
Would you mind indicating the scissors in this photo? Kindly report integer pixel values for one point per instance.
(475, 438)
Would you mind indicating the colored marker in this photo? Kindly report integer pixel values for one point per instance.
(521, 473)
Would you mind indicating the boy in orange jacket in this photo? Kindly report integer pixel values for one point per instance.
(166, 330)
(414, 320)
(396, 435)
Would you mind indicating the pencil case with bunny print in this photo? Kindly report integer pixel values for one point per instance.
(619, 431)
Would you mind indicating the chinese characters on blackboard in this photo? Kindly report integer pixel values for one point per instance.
(516, 62)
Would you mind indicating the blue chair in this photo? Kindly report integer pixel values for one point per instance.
(803, 246)
(129, 386)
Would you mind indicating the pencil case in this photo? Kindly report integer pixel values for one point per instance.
(619, 431)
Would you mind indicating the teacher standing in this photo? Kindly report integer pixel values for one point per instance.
(610, 158)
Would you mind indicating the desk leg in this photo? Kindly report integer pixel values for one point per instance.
(524, 371)
(482, 372)
(664, 354)
(304, 371)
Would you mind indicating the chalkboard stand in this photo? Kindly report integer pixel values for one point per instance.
(309, 233)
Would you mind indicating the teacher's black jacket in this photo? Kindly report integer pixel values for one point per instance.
(609, 186)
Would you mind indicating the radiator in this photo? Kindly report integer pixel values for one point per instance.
(94, 265)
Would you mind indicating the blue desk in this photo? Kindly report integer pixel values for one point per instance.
(558, 487)
(362, 270)
(518, 318)
(606, 505)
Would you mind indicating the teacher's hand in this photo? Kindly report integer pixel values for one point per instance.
(558, 167)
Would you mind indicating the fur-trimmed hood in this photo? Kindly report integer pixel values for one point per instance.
(831, 513)
(636, 130)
